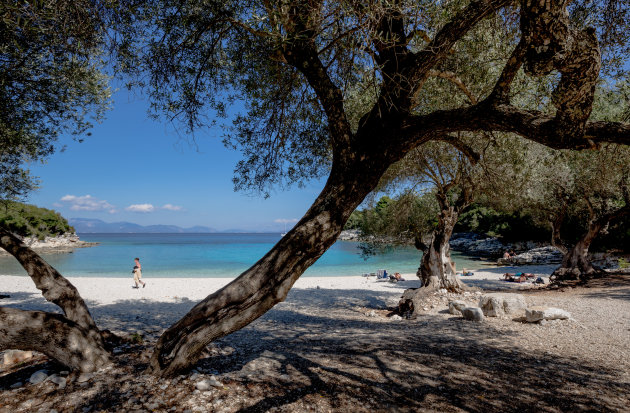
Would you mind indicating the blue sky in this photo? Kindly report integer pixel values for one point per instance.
(139, 170)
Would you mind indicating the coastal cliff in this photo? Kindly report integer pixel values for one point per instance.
(60, 244)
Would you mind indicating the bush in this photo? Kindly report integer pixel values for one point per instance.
(510, 226)
(29, 220)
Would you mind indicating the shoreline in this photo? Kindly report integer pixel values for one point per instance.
(61, 244)
(339, 333)
(105, 291)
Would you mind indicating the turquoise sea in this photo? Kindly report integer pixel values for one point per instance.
(211, 255)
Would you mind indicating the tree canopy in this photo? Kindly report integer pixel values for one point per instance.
(51, 82)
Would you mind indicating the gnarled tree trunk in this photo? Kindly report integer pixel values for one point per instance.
(576, 264)
(556, 224)
(73, 340)
(436, 268)
(52, 334)
(268, 281)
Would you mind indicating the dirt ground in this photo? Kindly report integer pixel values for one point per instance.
(355, 357)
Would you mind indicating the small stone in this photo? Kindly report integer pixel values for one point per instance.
(203, 385)
(16, 385)
(38, 377)
(194, 376)
(396, 317)
(84, 377)
(371, 313)
(473, 314)
(214, 382)
(59, 381)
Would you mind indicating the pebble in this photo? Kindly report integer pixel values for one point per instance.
(38, 377)
(16, 385)
(59, 381)
(84, 377)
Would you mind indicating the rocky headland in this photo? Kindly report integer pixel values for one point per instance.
(61, 244)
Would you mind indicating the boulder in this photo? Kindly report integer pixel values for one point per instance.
(535, 314)
(497, 305)
(542, 255)
(455, 307)
(472, 313)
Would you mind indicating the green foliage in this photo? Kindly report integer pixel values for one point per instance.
(399, 220)
(136, 338)
(51, 80)
(623, 263)
(29, 220)
(508, 225)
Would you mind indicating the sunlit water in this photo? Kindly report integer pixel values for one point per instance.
(212, 255)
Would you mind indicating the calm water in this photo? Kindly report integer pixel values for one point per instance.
(210, 255)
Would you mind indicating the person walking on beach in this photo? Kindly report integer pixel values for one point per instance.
(137, 274)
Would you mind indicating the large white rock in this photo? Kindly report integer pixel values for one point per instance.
(456, 306)
(535, 314)
(498, 304)
(472, 313)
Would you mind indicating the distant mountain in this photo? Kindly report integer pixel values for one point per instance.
(86, 225)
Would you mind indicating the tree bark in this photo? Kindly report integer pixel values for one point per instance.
(54, 335)
(62, 338)
(436, 268)
(54, 287)
(268, 281)
(576, 264)
(556, 225)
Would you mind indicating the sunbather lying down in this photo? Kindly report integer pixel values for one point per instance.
(519, 277)
(396, 277)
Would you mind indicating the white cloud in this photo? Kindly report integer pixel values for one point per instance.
(140, 208)
(87, 203)
(171, 207)
(285, 220)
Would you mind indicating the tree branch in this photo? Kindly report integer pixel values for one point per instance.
(53, 335)
(485, 116)
(501, 91)
(54, 287)
(457, 81)
(300, 51)
(444, 40)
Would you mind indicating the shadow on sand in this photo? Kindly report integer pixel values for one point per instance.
(301, 354)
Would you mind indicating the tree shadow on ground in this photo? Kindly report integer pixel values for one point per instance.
(305, 354)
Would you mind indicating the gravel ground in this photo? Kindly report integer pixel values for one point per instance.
(333, 350)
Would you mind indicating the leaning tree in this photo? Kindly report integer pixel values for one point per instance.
(51, 83)
(292, 63)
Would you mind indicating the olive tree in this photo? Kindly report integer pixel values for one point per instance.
(293, 63)
(51, 83)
